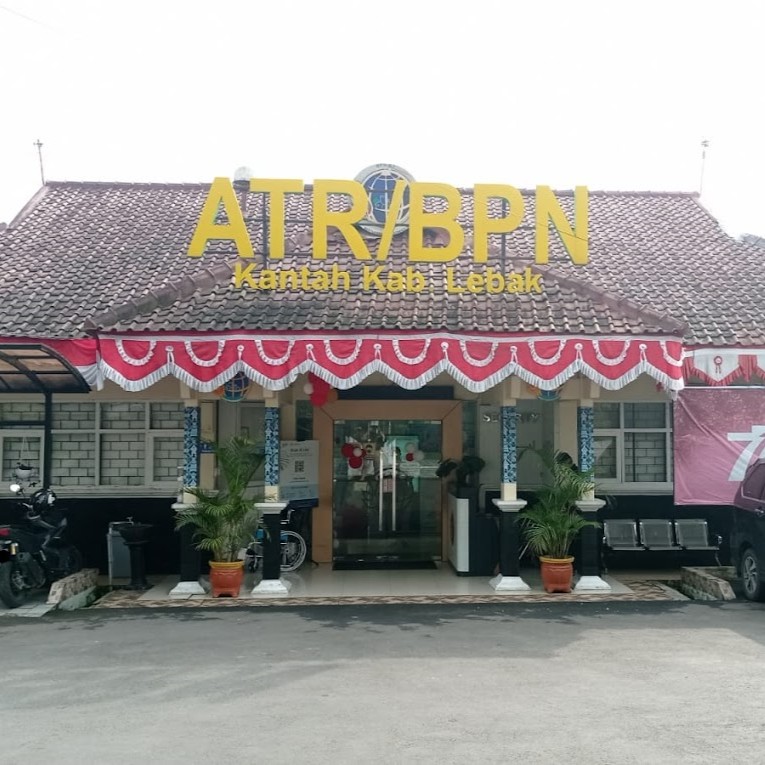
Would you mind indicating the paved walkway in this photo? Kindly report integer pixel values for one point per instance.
(323, 587)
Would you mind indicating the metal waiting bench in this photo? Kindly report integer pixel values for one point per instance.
(657, 534)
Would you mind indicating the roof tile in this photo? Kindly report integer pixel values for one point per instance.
(110, 255)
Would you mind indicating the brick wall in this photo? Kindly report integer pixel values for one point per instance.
(123, 415)
(123, 459)
(167, 415)
(74, 416)
(168, 457)
(645, 457)
(73, 462)
(29, 411)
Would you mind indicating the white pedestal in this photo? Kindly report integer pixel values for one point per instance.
(184, 590)
(592, 584)
(270, 588)
(509, 584)
(590, 505)
(510, 505)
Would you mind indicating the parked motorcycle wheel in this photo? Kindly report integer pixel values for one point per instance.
(12, 590)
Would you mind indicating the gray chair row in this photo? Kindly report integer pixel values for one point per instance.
(658, 534)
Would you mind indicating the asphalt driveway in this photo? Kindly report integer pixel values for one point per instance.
(582, 683)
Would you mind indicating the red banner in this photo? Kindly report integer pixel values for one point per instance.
(719, 434)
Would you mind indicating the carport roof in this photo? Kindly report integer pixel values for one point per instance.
(34, 368)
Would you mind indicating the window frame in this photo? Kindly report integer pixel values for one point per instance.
(638, 487)
(149, 487)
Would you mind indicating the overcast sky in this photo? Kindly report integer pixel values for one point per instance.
(559, 93)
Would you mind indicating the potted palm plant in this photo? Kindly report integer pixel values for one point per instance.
(552, 522)
(225, 519)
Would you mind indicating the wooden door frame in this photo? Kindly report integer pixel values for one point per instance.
(448, 412)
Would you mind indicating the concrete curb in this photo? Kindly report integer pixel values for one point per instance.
(72, 585)
(80, 600)
(708, 582)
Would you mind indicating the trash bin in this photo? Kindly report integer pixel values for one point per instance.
(118, 552)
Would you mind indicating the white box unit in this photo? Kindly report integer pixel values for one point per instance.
(458, 511)
(118, 553)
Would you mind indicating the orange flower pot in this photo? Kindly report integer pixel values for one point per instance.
(557, 574)
(226, 578)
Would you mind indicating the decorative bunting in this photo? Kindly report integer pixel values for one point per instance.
(410, 360)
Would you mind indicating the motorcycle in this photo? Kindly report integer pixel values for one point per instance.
(34, 553)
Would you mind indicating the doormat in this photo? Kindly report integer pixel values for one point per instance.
(382, 565)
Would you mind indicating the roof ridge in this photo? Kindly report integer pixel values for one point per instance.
(668, 323)
(465, 190)
(162, 296)
(27, 209)
(129, 184)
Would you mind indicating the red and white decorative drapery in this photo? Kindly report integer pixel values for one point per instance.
(723, 366)
(81, 353)
(410, 360)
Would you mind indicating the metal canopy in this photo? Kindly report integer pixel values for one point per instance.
(35, 368)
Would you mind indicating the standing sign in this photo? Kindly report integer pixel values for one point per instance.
(719, 433)
(299, 470)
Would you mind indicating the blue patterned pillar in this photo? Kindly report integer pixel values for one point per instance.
(509, 579)
(191, 446)
(509, 437)
(272, 452)
(190, 558)
(588, 559)
(271, 510)
(586, 436)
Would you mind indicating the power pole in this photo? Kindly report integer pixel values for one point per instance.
(38, 144)
(704, 147)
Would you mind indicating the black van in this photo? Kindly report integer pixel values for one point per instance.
(747, 544)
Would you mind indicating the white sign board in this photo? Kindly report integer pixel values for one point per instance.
(299, 470)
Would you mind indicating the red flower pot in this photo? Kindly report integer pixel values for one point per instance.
(226, 578)
(557, 574)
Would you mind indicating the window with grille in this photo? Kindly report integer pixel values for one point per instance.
(633, 443)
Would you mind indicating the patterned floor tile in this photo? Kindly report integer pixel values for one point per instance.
(639, 591)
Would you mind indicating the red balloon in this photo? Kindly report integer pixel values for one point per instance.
(355, 462)
(347, 450)
(410, 457)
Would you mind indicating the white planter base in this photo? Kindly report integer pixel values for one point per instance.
(184, 590)
(592, 584)
(268, 588)
(509, 584)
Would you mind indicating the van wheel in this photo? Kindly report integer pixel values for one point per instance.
(751, 575)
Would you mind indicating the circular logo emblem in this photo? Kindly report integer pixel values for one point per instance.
(379, 181)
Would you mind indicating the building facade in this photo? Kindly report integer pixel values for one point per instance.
(432, 324)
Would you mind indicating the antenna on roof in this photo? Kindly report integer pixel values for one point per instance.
(704, 147)
(38, 144)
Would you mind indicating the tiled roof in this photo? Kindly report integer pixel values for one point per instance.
(113, 256)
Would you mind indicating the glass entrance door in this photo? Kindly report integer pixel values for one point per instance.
(386, 496)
